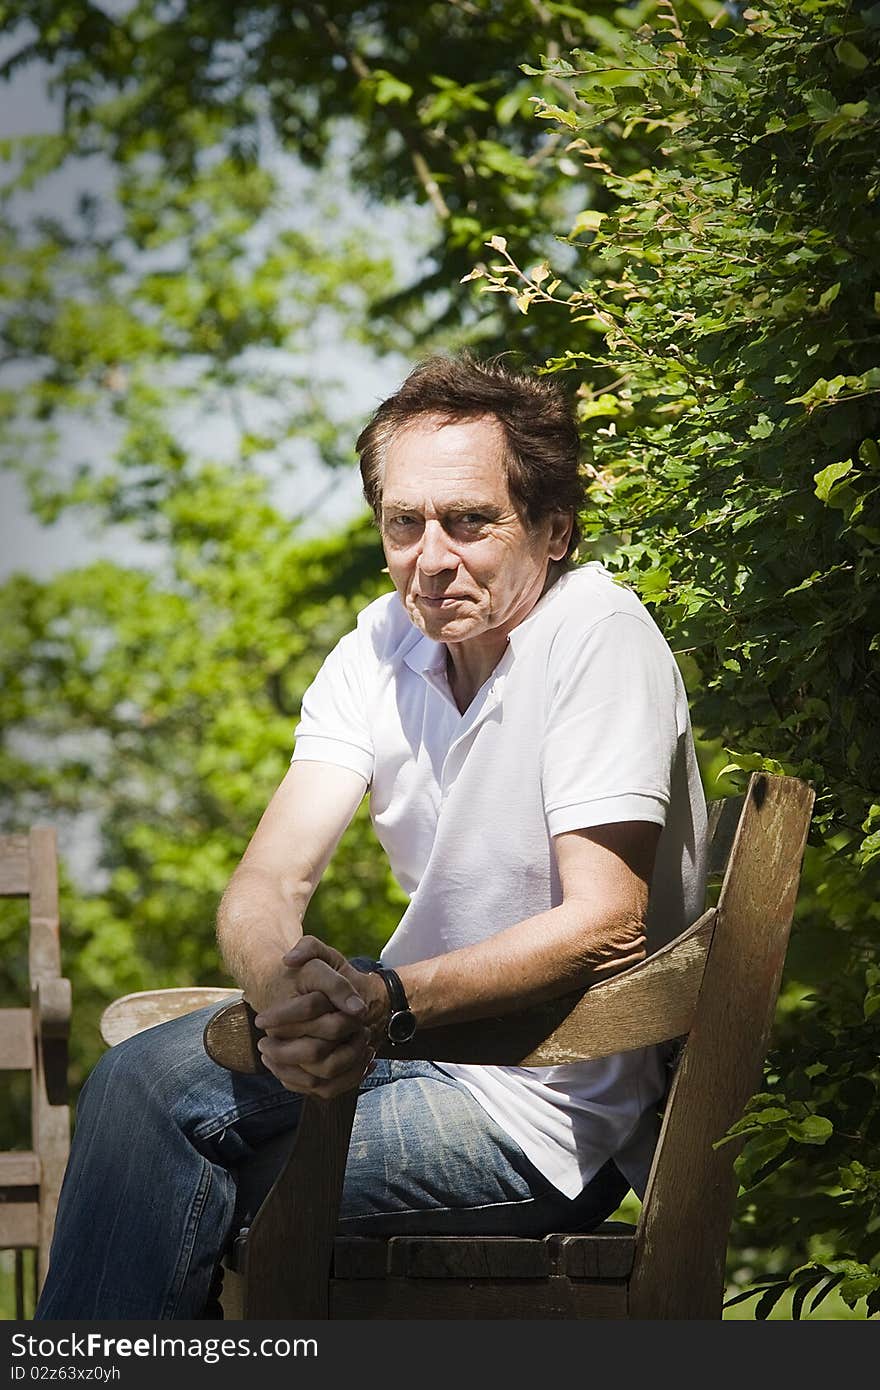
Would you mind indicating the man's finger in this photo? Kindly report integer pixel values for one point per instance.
(311, 948)
(296, 1078)
(321, 976)
(299, 1008)
(317, 974)
(333, 1027)
(322, 1060)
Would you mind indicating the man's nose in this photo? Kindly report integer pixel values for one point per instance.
(435, 553)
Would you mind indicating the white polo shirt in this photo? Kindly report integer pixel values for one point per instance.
(583, 722)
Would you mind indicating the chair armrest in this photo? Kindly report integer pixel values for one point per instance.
(51, 1007)
(133, 1013)
(649, 1003)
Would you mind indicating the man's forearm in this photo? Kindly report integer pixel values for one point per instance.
(260, 915)
(256, 923)
(535, 960)
(597, 930)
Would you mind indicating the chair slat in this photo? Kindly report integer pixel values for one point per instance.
(15, 873)
(16, 1040)
(692, 1184)
(594, 1256)
(450, 1257)
(459, 1299)
(19, 1225)
(19, 1169)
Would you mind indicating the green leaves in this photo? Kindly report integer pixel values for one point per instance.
(850, 56)
(387, 88)
(827, 478)
(768, 1128)
(725, 337)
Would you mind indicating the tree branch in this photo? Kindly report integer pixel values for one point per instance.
(364, 72)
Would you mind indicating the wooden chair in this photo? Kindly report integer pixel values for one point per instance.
(714, 988)
(34, 1040)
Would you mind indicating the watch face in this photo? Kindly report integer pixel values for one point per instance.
(401, 1026)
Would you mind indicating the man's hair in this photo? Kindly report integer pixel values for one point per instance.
(540, 434)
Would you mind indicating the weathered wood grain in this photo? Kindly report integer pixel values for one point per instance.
(553, 1297)
(15, 866)
(594, 1256)
(299, 1218)
(692, 1185)
(19, 1168)
(133, 1013)
(19, 1224)
(16, 1040)
(35, 1040)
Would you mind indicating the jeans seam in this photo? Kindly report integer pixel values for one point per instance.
(188, 1242)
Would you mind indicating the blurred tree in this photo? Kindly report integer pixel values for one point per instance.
(190, 293)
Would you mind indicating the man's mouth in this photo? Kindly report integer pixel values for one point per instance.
(439, 600)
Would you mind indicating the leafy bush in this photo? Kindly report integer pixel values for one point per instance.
(730, 396)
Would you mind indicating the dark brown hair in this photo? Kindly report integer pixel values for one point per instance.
(541, 438)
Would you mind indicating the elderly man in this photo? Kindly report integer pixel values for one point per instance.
(523, 731)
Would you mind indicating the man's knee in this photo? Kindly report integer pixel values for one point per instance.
(160, 1066)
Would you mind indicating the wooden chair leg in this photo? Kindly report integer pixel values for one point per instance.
(284, 1261)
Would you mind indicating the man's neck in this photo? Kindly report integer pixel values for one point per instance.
(467, 672)
(468, 667)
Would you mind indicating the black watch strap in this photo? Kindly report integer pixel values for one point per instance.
(401, 1024)
(396, 992)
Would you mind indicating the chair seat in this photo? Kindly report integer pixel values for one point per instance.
(466, 1277)
(603, 1254)
(606, 1253)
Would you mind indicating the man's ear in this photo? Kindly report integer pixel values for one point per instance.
(561, 524)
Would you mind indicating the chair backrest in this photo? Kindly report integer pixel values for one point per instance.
(692, 1185)
(34, 1039)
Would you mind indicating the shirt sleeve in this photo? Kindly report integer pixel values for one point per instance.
(333, 726)
(611, 729)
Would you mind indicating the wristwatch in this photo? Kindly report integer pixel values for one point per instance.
(401, 1025)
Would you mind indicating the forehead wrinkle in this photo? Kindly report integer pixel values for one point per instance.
(456, 504)
(431, 424)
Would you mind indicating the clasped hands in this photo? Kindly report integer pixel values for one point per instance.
(322, 1024)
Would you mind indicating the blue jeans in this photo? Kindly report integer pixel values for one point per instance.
(169, 1159)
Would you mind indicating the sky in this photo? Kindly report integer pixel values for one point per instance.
(38, 550)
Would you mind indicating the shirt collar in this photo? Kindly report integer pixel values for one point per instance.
(424, 655)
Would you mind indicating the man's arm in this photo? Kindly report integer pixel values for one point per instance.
(261, 912)
(597, 930)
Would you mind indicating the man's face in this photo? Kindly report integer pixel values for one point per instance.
(465, 566)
